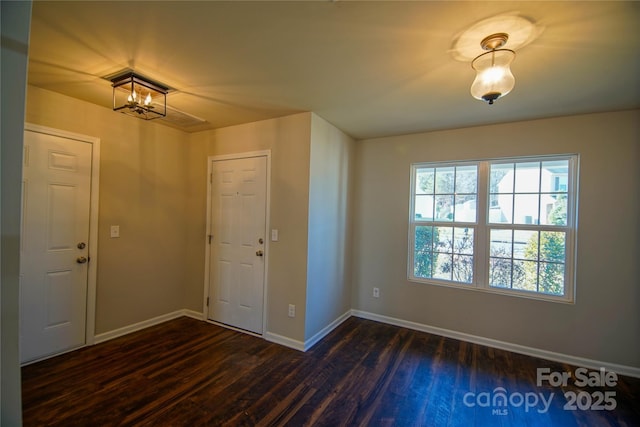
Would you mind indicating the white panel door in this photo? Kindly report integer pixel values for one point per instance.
(238, 223)
(54, 248)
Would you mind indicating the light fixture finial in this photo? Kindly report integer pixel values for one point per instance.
(494, 41)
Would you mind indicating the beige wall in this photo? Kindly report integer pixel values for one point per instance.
(288, 139)
(328, 256)
(143, 189)
(604, 322)
(198, 150)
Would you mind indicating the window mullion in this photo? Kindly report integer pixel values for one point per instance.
(481, 249)
(412, 224)
(411, 248)
(572, 193)
(570, 227)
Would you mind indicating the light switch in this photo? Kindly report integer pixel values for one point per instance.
(115, 231)
(274, 235)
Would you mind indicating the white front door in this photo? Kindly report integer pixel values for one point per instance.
(237, 224)
(55, 244)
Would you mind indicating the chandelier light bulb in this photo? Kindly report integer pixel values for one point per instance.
(492, 75)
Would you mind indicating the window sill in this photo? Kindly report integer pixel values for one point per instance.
(492, 290)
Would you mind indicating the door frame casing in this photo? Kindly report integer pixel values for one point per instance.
(92, 271)
(207, 271)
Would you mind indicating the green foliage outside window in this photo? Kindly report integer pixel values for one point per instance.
(423, 256)
(550, 250)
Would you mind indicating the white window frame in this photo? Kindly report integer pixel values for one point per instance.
(482, 228)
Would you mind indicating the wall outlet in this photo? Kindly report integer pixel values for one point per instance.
(114, 231)
(376, 292)
(292, 310)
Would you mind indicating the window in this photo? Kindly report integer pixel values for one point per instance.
(504, 225)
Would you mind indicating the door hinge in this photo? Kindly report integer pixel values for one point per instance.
(210, 237)
(211, 178)
(207, 301)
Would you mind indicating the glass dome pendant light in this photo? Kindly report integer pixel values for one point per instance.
(493, 75)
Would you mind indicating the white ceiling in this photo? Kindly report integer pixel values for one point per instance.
(370, 68)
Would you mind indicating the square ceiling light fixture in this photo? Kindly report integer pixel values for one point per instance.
(138, 96)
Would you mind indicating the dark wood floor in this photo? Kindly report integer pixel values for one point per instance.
(190, 373)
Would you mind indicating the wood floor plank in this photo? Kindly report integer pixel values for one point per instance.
(190, 373)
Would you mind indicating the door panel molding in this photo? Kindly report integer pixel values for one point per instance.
(93, 217)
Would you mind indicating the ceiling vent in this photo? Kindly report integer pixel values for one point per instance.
(180, 119)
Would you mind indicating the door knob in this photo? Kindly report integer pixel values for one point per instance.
(81, 260)
(82, 245)
(259, 253)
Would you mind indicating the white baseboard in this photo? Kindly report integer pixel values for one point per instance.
(106, 336)
(307, 344)
(285, 341)
(193, 314)
(516, 348)
(325, 331)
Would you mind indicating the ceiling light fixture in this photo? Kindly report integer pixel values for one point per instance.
(493, 75)
(138, 96)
